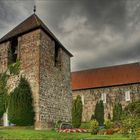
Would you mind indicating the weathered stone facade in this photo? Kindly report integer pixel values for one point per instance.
(50, 85)
(113, 94)
(55, 91)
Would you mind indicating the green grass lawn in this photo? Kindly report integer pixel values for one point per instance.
(19, 133)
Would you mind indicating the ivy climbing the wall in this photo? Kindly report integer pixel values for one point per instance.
(13, 69)
(20, 110)
(3, 93)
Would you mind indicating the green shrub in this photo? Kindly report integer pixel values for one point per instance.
(138, 133)
(99, 112)
(108, 124)
(131, 119)
(117, 112)
(133, 108)
(85, 125)
(14, 68)
(20, 109)
(3, 93)
(77, 109)
(94, 125)
(130, 125)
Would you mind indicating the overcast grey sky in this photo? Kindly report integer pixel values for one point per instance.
(97, 32)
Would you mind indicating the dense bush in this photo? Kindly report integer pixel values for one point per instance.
(85, 125)
(77, 109)
(2, 104)
(20, 109)
(108, 124)
(117, 112)
(131, 119)
(99, 112)
(133, 108)
(3, 93)
(130, 125)
(94, 127)
(14, 70)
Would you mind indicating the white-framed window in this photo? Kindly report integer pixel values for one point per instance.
(82, 98)
(127, 96)
(103, 97)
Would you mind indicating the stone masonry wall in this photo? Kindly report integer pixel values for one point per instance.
(55, 91)
(28, 54)
(3, 56)
(50, 85)
(28, 51)
(113, 94)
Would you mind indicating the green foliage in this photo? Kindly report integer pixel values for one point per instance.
(117, 112)
(85, 125)
(131, 119)
(20, 110)
(77, 109)
(130, 125)
(94, 125)
(108, 123)
(133, 108)
(3, 93)
(99, 112)
(14, 68)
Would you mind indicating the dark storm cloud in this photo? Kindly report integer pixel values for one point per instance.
(12, 12)
(102, 12)
(98, 12)
(98, 32)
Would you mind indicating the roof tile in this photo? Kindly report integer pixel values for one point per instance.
(107, 76)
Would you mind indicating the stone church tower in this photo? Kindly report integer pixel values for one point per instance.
(46, 65)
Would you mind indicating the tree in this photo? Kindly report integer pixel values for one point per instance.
(77, 109)
(20, 109)
(99, 112)
(117, 112)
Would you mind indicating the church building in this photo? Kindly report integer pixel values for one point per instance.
(45, 63)
(113, 84)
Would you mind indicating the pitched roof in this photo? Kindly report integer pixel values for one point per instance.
(31, 23)
(107, 76)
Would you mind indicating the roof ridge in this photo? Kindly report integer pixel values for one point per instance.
(36, 19)
(33, 22)
(112, 66)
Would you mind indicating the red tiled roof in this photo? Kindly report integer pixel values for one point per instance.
(31, 23)
(107, 76)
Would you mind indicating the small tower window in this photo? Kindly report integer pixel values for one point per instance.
(12, 52)
(57, 56)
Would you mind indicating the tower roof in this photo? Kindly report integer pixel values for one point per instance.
(31, 23)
